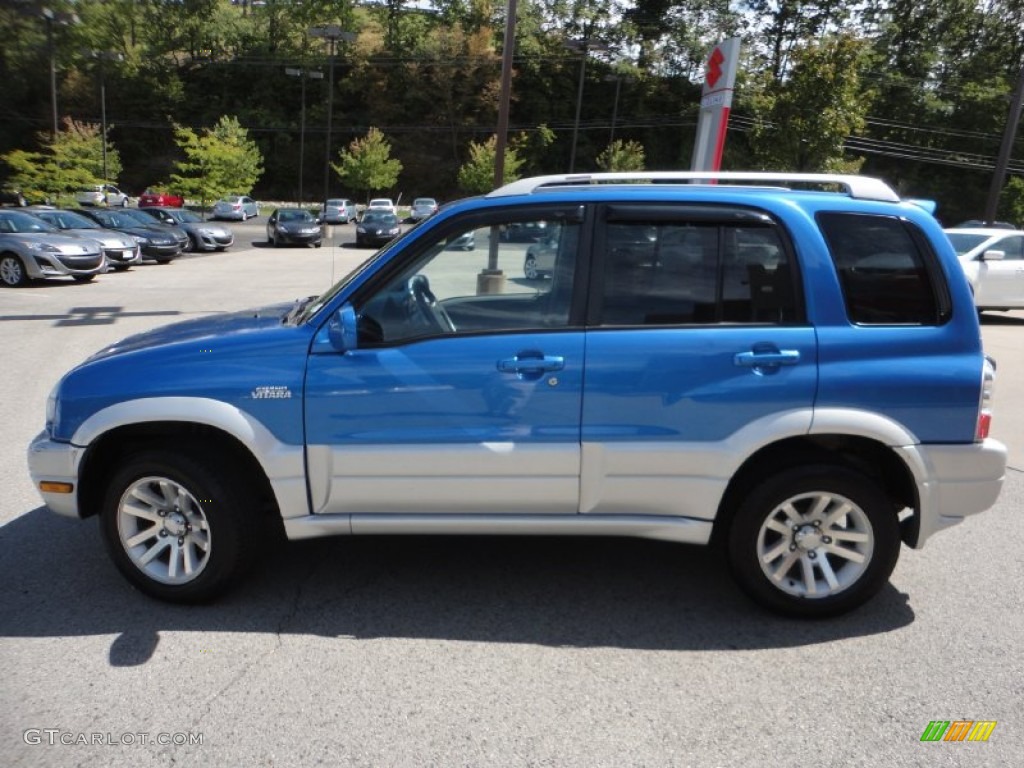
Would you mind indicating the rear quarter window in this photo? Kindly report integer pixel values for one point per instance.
(887, 270)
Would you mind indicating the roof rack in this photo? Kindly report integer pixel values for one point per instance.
(862, 187)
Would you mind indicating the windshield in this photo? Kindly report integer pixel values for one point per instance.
(185, 216)
(23, 223)
(379, 218)
(116, 220)
(67, 220)
(294, 216)
(140, 217)
(964, 242)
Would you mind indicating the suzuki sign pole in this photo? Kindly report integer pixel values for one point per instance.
(715, 102)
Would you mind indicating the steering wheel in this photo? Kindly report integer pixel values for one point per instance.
(426, 302)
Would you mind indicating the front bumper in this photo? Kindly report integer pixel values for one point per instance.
(954, 481)
(153, 251)
(213, 241)
(54, 462)
(301, 239)
(41, 264)
(119, 256)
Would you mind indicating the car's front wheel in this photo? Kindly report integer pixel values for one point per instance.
(530, 269)
(814, 541)
(176, 528)
(12, 271)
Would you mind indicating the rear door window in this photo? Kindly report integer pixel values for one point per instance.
(684, 266)
(887, 271)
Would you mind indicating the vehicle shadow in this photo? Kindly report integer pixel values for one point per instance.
(1000, 318)
(619, 593)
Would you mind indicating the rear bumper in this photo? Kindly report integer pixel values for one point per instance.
(954, 482)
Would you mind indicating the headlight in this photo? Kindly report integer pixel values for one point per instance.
(141, 240)
(207, 232)
(393, 231)
(361, 230)
(46, 247)
(51, 409)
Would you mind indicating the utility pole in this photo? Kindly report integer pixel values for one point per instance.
(999, 173)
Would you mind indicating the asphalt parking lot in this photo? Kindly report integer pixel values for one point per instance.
(497, 652)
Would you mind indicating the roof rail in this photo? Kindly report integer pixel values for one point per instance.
(862, 187)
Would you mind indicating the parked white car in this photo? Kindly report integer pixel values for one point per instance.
(382, 204)
(993, 260)
(103, 194)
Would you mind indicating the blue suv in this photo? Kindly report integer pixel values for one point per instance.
(786, 366)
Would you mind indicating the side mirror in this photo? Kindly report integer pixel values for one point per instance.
(341, 329)
(993, 256)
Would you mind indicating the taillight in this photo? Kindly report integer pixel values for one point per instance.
(988, 378)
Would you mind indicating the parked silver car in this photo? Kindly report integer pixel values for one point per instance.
(338, 210)
(31, 249)
(236, 207)
(121, 250)
(202, 235)
(103, 194)
(422, 208)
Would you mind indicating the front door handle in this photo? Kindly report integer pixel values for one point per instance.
(767, 358)
(526, 364)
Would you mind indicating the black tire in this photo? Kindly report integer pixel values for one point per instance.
(191, 246)
(317, 245)
(214, 499)
(12, 271)
(809, 545)
(163, 260)
(121, 267)
(83, 278)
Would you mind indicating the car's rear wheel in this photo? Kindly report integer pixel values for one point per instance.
(177, 529)
(814, 541)
(530, 269)
(12, 271)
(124, 202)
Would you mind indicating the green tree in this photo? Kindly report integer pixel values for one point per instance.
(221, 160)
(367, 164)
(801, 122)
(71, 161)
(476, 176)
(622, 156)
(1011, 201)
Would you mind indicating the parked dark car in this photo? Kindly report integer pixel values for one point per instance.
(293, 226)
(157, 242)
(377, 228)
(202, 235)
(147, 220)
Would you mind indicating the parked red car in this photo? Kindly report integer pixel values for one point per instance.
(152, 197)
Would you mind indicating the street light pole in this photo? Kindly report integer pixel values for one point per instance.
(333, 33)
(302, 73)
(103, 57)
